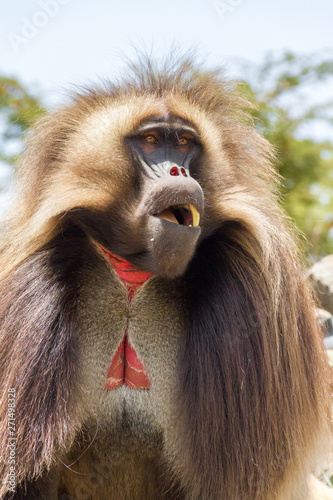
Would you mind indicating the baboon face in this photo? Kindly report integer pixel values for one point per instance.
(157, 223)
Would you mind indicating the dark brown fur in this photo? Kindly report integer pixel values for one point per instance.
(249, 400)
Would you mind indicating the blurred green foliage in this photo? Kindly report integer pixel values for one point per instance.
(18, 110)
(294, 98)
(290, 93)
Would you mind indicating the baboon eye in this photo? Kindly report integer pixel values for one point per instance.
(185, 142)
(151, 139)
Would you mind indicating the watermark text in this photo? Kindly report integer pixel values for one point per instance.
(30, 27)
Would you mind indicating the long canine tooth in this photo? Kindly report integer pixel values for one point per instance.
(195, 215)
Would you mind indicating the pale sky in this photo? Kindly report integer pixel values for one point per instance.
(53, 45)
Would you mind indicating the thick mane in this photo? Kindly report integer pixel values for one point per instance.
(252, 359)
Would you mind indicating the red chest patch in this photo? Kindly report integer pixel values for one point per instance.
(126, 368)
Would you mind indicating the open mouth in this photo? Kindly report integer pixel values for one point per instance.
(184, 215)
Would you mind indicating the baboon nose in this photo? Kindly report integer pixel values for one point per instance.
(175, 171)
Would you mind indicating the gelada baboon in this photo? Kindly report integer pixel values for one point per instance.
(158, 340)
